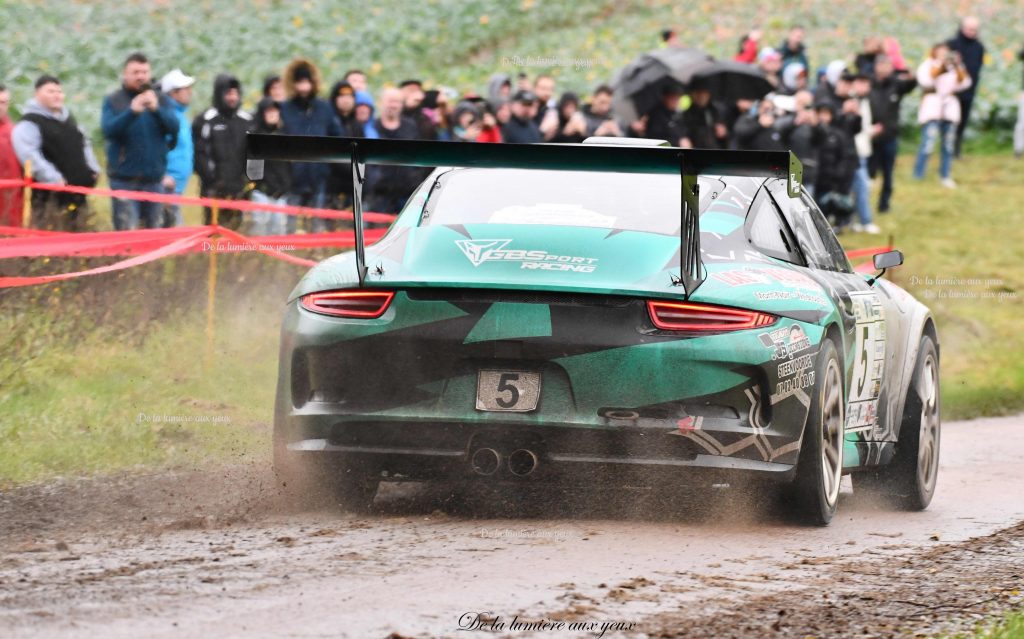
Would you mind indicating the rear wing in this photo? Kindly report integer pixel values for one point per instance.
(689, 164)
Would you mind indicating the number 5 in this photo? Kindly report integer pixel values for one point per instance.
(503, 385)
(863, 362)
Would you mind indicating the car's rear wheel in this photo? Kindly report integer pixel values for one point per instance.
(814, 494)
(909, 480)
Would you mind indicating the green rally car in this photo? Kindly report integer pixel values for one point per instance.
(610, 309)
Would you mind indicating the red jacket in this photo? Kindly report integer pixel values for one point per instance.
(492, 134)
(11, 203)
(748, 51)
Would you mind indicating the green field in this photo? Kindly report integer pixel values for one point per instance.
(460, 43)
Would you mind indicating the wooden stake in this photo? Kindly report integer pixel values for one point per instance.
(211, 292)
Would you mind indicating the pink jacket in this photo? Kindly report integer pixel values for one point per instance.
(939, 101)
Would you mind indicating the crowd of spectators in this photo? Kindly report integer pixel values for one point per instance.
(842, 120)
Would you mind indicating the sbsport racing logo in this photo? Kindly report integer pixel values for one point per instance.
(480, 251)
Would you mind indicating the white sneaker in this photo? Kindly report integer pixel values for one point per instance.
(948, 183)
(872, 229)
(856, 227)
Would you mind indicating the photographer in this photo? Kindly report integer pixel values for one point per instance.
(703, 127)
(860, 89)
(802, 135)
(941, 76)
(140, 126)
(572, 123)
(837, 162)
(597, 114)
(887, 91)
(757, 131)
(466, 123)
(970, 50)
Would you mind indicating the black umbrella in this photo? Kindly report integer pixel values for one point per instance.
(639, 85)
(729, 81)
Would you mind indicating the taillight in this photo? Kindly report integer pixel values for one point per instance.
(356, 304)
(688, 316)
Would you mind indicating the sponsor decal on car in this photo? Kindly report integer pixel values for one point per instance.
(790, 295)
(480, 251)
(783, 276)
(785, 341)
(868, 362)
(795, 372)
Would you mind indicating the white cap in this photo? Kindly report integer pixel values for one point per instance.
(175, 79)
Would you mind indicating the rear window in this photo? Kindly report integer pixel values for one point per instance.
(623, 201)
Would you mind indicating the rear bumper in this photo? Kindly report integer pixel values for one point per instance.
(399, 390)
(433, 449)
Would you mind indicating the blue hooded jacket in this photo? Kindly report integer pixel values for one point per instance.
(179, 159)
(369, 130)
(137, 143)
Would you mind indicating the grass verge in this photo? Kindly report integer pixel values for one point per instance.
(92, 393)
(964, 250)
(1009, 627)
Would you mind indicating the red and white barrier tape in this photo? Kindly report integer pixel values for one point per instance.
(235, 205)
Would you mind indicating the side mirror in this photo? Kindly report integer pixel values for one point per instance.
(888, 259)
(885, 261)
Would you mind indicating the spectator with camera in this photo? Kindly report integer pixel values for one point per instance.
(466, 122)
(971, 52)
(860, 104)
(941, 76)
(663, 121)
(492, 117)
(571, 123)
(703, 128)
(598, 114)
(275, 184)
(757, 131)
(140, 126)
(802, 135)
(837, 164)
(888, 88)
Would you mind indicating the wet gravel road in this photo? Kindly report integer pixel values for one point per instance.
(220, 553)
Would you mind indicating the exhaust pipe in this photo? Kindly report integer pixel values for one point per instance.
(485, 461)
(522, 462)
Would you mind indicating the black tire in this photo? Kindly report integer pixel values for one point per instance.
(908, 481)
(814, 494)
